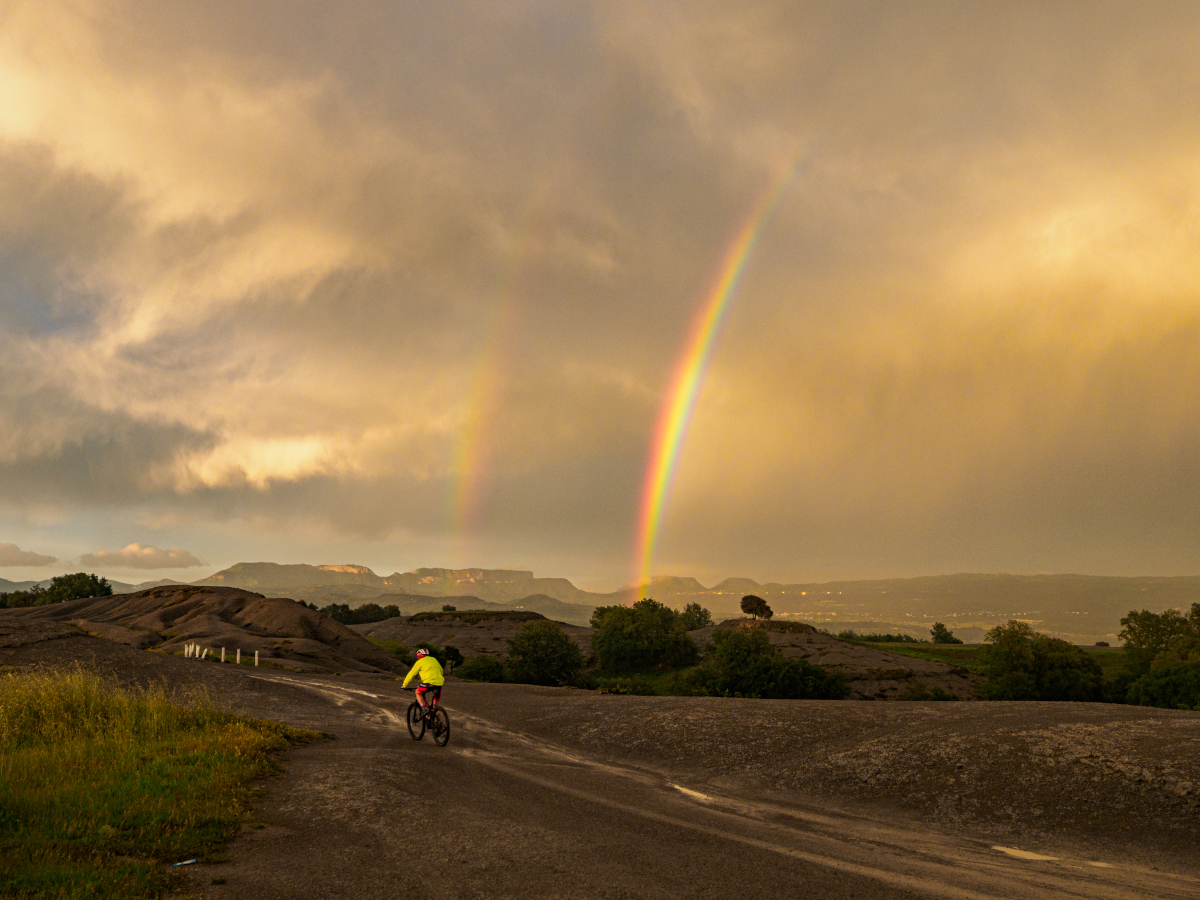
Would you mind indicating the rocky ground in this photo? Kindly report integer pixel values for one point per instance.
(560, 793)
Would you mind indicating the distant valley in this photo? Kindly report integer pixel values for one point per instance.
(1080, 608)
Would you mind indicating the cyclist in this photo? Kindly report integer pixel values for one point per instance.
(429, 671)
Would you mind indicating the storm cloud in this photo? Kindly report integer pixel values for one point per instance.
(409, 282)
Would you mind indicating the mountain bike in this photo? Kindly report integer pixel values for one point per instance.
(434, 719)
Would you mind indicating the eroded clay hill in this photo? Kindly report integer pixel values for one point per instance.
(874, 674)
(166, 618)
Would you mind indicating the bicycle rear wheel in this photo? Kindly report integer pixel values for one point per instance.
(441, 727)
(416, 722)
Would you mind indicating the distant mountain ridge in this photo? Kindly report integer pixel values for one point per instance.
(354, 582)
(1082, 608)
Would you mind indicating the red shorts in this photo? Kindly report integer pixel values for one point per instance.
(431, 690)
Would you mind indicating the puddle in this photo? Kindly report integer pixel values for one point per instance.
(1025, 854)
(695, 795)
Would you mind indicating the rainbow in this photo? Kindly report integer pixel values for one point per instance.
(676, 414)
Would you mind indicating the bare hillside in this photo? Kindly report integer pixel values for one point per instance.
(471, 634)
(166, 618)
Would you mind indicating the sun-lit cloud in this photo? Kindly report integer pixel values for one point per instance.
(12, 555)
(135, 556)
(271, 273)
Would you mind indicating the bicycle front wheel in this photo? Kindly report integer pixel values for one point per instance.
(441, 727)
(416, 722)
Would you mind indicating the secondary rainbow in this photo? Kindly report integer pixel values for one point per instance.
(676, 414)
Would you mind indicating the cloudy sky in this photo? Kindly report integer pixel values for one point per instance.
(407, 283)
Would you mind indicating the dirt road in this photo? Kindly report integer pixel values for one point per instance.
(519, 806)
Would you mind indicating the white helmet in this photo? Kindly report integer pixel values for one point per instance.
(422, 652)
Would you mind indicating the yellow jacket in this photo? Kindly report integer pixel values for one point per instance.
(428, 669)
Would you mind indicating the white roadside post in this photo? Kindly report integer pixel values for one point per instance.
(238, 661)
(222, 654)
(204, 655)
(256, 657)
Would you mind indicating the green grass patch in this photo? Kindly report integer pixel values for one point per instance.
(472, 616)
(100, 785)
(1111, 661)
(969, 658)
(392, 647)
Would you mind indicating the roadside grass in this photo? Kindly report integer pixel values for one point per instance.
(101, 785)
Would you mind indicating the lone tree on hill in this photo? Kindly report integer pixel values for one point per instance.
(943, 635)
(756, 607)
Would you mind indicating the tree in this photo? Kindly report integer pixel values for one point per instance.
(644, 636)
(541, 653)
(447, 607)
(1162, 659)
(1173, 679)
(482, 668)
(695, 616)
(1022, 664)
(454, 657)
(1148, 634)
(741, 662)
(62, 588)
(942, 635)
(756, 607)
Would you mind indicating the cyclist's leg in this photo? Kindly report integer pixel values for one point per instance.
(421, 698)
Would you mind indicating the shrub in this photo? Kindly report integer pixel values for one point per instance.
(639, 685)
(874, 638)
(482, 668)
(942, 635)
(541, 653)
(362, 615)
(742, 663)
(1022, 664)
(644, 636)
